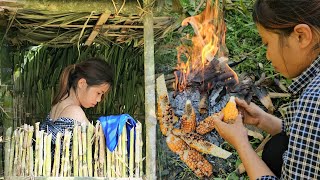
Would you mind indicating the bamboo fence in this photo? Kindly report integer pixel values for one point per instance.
(28, 153)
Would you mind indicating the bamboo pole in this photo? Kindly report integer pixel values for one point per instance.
(75, 151)
(150, 115)
(96, 149)
(137, 150)
(19, 166)
(80, 150)
(63, 159)
(24, 149)
(84, 150)
(30, 156)
(16, 150)
(109, 155)
(12, 151)
(40, 157)
(130, 7)
(118, 157)
(124, 152)
(67, 155)
(102, 152)
(45, 154)
(89, 148)
(36, 160)
(48, 158)
(57, 155)
(113, 165)
(131, 156)
(7, 150)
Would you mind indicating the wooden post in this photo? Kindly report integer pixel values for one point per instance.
(7, 150)
(150, 115)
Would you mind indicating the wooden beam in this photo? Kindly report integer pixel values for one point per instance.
(97, 28)
(99, 6)
(149, 80)
(89, 26)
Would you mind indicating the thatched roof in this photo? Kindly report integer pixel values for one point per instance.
(62, 23)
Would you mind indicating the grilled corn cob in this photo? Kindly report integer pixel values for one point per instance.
(196, 162)
(165, 115)
(230, 111)
(206, 125)
(197, 142)
(176, 144)
(188, 120)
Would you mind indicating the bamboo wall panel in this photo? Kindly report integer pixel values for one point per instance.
(88, 157)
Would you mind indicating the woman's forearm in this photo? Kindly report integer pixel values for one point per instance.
(253, 164)
(270, 124)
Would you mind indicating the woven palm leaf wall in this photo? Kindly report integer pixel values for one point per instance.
(37, 71)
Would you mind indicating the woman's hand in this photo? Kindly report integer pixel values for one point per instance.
(236, 134)
(251, 112)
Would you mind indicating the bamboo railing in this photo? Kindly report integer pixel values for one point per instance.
(28, 154)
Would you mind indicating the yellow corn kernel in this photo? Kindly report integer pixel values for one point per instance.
(230, 111)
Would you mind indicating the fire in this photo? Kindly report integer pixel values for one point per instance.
(208, 43)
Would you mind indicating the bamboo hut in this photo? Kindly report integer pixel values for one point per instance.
(70, 31)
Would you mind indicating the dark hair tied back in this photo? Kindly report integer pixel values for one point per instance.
(95, 71)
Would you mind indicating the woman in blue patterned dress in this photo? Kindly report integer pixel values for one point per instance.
(82, 85)
(290, 29)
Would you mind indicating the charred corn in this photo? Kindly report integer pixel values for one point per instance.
(188, 120)
(165, 115)
(197, 142)
(207, 124)
(176, 144)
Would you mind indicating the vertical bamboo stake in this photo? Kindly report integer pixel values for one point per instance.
(150, 115)
(118, 158)
(16, 150)
(13, 142)
(109, 154)
(41, 133)
(137, 149)
(102, 152)
(48, 158)
(7, 150)
(113, 165)
(67, 159)
(131, 156)
(89, 148)
(36, 160)
(56, 162)
(24, 150)
(84, 150)
(30, 151)
(80, 151)
(63, 158)
(96, 150)
(21, 138)
(124, 151)
(45, 138)
(75, 151)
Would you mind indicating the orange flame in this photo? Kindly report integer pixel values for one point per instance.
(208, 43)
